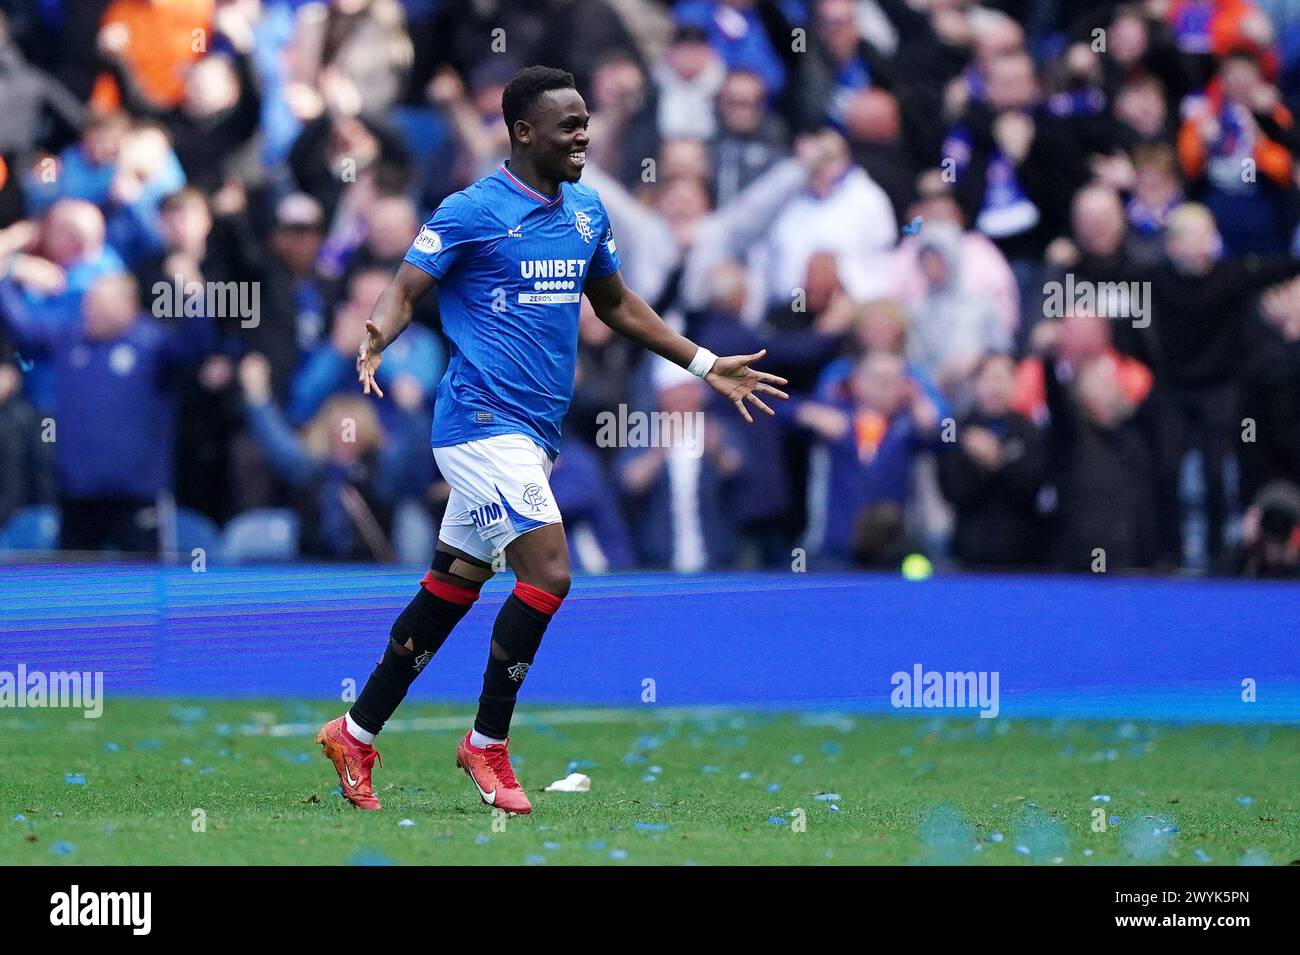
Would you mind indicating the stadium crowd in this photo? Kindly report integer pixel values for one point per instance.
(1029, 267)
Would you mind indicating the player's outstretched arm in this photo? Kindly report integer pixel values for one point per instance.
(391, 315)
(627, 313)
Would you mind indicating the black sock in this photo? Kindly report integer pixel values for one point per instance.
(516, 635)
(426, 623)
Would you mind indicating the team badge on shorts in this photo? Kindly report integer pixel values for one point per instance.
(534, 496)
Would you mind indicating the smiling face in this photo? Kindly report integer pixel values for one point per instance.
(554, 135)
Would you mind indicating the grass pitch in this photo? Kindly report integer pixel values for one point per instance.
(668, 787)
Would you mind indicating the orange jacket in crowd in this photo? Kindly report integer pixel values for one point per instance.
(163, 44)
(1030, 398)
(1271, 158)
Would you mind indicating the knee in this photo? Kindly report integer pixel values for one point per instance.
(555, 580)
(551, 576)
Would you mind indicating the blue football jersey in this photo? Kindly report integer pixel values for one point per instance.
(511, 264)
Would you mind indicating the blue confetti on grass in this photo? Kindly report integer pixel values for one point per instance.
(481, 840)
(1042, 836)
(1254, 857)
(75, 779)
(649, 778)
(63, 848)
(148, 744)
(1202, 855)
(406, 823)
(795, 759)
(1246, 800)
(112, 747)
(596, 845)
(774, 787)
(776, 820)
(650, 827)
(1148, 837)
(369, 857)
(550, 846)
(20, 818)
(946, 837)
(708, 769)
(535, 860)
(1100, 798)
(618, 854)
(746, 775)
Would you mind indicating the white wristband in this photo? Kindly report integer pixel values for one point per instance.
(702, 363)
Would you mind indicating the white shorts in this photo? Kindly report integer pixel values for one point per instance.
(499, 492)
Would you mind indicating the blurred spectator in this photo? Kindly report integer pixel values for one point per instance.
(114, 411)
(1101, 470)
(29, 98)
(362, 43)
(1237, 148)
(623, 107)
(1200, 307)
(749, 141)
(413, 364)
(982, 268)
(159, 39)
(1157, 191)
(688, 77)
(869, 443)
(1270, 536)
(680, 488)
(219, 109)
(1270, 394)
(48, 283)
(735, 31)
(347, 473)
(950, 327)
(994, 474)
(598, 537)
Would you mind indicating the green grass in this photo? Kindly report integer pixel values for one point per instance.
(909, 789)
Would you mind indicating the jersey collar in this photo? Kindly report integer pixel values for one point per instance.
(526, 189)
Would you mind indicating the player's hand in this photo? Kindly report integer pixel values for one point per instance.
(732, 378)
(369, 356)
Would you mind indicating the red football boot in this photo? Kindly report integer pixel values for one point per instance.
(489, 768)
(352, 760)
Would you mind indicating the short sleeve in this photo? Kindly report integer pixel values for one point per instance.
(605, 261)
(446, 237)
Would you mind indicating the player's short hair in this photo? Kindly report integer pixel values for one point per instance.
(522, 92)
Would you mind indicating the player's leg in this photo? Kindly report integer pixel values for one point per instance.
(540, 560)
(457, 572)
(519, 517)
(445, 596)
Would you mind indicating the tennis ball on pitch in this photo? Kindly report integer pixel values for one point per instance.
(917, 567)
